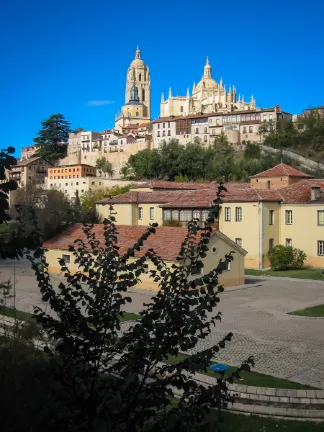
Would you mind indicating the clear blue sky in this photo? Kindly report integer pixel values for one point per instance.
(57, 56)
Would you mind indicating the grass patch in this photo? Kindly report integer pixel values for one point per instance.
(305, 273)
(130, 316)
(15, 313)
(251, 423)
(314, 311)
(249, 378)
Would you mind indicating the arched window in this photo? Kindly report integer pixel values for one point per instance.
(143, 95)
(181, 108)
(140, 77)
(137, 113)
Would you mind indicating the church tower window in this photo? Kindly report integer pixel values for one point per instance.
(181, 108)
(143, 94)
(140, 77)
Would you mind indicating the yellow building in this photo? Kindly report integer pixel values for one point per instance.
(166, 243)
(279, 206)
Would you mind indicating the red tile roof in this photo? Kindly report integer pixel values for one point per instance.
(300, 193)
(142, 197)
(166, 242)
(281, 170)
(27, 161)
(160, 184)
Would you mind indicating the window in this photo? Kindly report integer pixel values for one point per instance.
(213, 131)
(244, 130)
(185, 215)
(197, 131)
(163, 125)
(195, 270)
(196, 214)
(77, 183)
(92, 183)
(288, 242)
(143, 95)
(238, 214)
(289, 218)
(151, 213)
(158, 125)
(175, 215)
(158, 134)
(67, 258)
(206, 130)
(163, 133)
(66, 184)
(137, 114)
(320, 247)
(250, 129)
(181, 108)
(205, 138)
(140, 213)
(227, 214)
(168, 124)
(204, 215)
(82, 190)
(271, 243)
(140, 77)
(271, 217)
(169, 133)
(167, 215)
(238, 241)
(320, 217)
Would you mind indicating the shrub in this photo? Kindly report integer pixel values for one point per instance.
(286, 257)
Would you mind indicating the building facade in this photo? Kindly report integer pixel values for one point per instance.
(29, 170)
(207, 96)
(71, 171)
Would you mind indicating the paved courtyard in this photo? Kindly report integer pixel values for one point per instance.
(286, 346)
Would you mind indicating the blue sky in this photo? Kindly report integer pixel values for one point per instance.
(57, 56)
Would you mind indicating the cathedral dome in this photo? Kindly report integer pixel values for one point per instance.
(207, 82)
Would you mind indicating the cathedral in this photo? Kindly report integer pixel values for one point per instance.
(208, 96)
(137, 108)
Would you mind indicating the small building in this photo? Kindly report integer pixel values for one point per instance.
(29, 170)
(166, 242)
(71, 171)
(277, 177)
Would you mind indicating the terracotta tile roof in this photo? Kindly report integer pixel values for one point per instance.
(27, 161)
(160, 184)
(142, 197)
(281, 170)
(166, 242)
(300, 193)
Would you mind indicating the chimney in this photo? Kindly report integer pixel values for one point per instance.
(315, 193)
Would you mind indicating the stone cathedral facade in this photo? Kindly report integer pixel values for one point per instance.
(207, 96)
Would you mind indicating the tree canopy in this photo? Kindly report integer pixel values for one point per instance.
(104, 166)
(195, 162)
(52, 138)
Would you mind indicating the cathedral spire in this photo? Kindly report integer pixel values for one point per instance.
(207, 69)
(138, 53)
(162, 98)
(170, 93)
(193, 88)
(188, 93)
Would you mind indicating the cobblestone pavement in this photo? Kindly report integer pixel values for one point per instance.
(283, 345)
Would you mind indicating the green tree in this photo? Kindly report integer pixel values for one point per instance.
(114, 380)
(91, 197)
(52, 138)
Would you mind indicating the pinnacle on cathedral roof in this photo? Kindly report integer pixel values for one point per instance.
(138, 53)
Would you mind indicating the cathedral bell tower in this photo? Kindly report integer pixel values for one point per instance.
(138, 73)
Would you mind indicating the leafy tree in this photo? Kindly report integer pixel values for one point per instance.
(52, 138)
(6, 162)
(118, 381)
(51, 208)
(252, 151)
(91, 197)
(104, 166)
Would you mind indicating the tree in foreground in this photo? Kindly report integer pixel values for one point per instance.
(52, 138)
(112, 378)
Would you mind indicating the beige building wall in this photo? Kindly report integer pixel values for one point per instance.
(270, 231)
(304, 230)
(163, 131)
(70, 186)
(247, 230)
(128, 213)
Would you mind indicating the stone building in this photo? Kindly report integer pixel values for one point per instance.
(137, 108)
(29, 170)
(207, 96)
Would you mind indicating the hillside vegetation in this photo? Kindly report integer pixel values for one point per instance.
(306, 137)
(195, 162)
